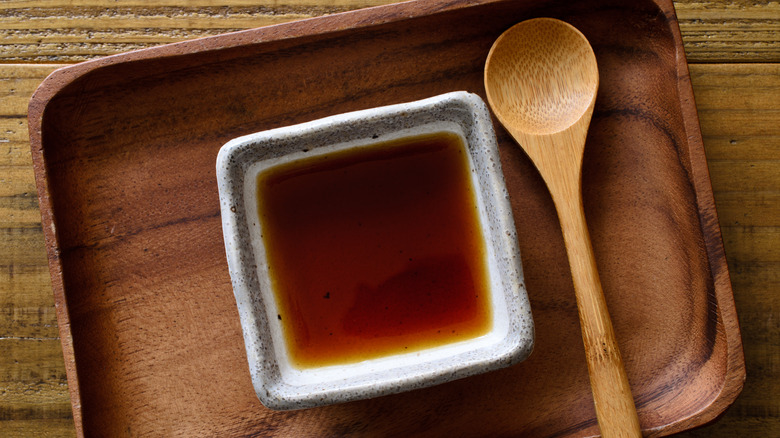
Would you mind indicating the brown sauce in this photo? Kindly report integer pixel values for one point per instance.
(376, 251)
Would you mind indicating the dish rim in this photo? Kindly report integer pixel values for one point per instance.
(278, 383)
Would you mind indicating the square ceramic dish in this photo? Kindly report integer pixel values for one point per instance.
(278, 382)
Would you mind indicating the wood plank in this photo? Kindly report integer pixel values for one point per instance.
(69, 31)
(752, 244)
(47, 362)
(16, 181)
(730, 31)
(26, 303)
(17, 192)
(726, 139)
(14, 142)
(34, 395)
(745, 175)
(754, 209)
(737, 107)
(44, 427)
(740, 123)
(64, 31)
(756, 412)
(15, 99)
(18, 197)
(345, 4)
(21, 245)
(738, 111)
(33, 381)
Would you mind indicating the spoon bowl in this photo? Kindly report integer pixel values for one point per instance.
(541, 79)
(541, 76)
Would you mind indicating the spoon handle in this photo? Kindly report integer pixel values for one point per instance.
(615, 408)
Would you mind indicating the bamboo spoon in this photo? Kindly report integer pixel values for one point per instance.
(541, 80)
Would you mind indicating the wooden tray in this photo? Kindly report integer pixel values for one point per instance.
(124, 149)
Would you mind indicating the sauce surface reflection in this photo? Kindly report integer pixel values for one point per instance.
(375, 251)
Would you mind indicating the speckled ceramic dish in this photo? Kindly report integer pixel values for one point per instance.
(279, 381)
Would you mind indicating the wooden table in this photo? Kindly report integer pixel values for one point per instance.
(733, 50)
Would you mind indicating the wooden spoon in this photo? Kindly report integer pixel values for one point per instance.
(541, 80)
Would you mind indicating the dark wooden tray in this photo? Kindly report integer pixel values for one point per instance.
(124, 149)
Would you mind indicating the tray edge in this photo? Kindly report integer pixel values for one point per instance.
(734, 377)
(59, 79)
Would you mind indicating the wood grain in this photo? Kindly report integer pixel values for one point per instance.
(34, 395)
(730, 31)
(149, 304)
(65, 31)
(737, 106)
(70, 31)
(739, 119)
